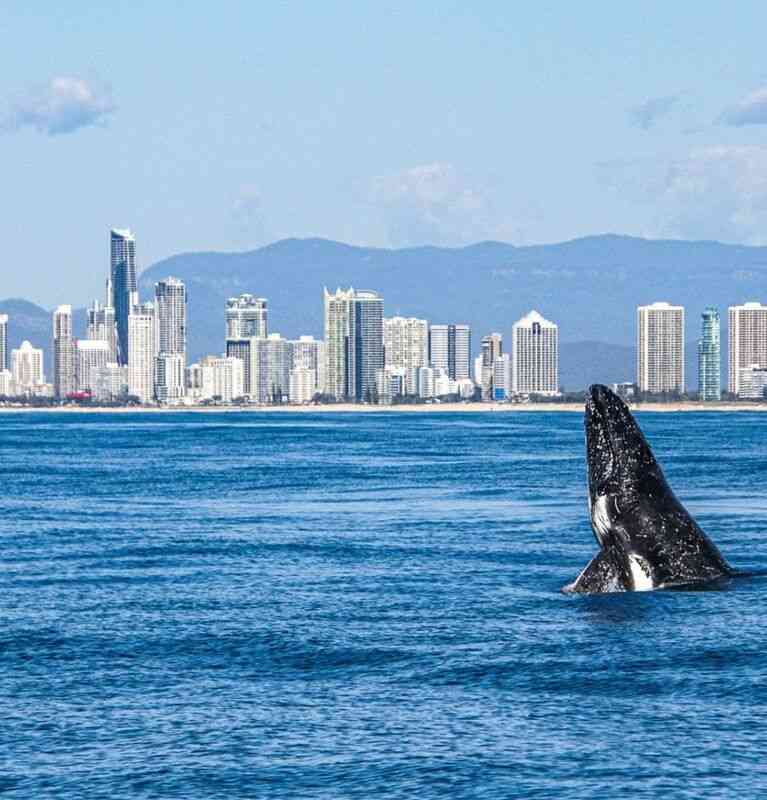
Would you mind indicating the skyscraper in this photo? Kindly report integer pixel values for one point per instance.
(64, 379)
(660, 348)
(27, 367)
(141, 352)
(492, 348)
(241, 349)
(91, 356)
(747, 346)
(709, 357)
(5, 356)
(101, 324)
(450, 350)
(535, 360)
(270, 366)
(406, 343)
(354, 344)
(124, 286)
(308, 354)
(170, 319)
(246, 317)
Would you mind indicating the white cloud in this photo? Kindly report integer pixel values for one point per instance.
(435, 204)
(65, 105)
(752, 110)
(716, 192)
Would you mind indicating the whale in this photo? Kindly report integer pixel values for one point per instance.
(647, 539)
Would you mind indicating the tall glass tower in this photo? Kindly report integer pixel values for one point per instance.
(124, 288)
(709, 356)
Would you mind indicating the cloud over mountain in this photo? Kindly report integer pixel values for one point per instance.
(434, 203)
(64, 105)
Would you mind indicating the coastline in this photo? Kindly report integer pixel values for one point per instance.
(345, 408)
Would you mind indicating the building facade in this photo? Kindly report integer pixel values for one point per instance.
(27, 368)
(122, 277)
(492, 348)
(710, 357)
(450, 350)
(535, 355)
(747, 346)
(406, 343)
(5, 355)
(91, 356)
(64, 360)
(354, 343)
(170, 320)
(307, 353)
(246, 317)
(142, 351)
(101, 325)
(660, 348)
(752, 382)
(271, 362)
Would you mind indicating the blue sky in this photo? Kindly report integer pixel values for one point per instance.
(225, 127)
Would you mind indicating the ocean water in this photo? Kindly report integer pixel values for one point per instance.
(250, 605)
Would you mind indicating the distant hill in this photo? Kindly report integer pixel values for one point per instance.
(589, 286)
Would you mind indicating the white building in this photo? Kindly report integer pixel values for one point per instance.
(426, 378)
(170, 340)
(92, 355)
(7, 388)
(64, 361)
(246, 317)
(444, 385)
(216, 378)
(450, 350)
(270, 367)
(303, 385)
(752, 382)
(535, 356)
(307, 354)
(110, 382)
(492, 347)
(102, 325)
(502, 379)
(406, 343)
(747, 341)
(660, 348)
(5, 355)
(27, 368)
(142, 350)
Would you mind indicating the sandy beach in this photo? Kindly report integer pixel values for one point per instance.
(434, 408)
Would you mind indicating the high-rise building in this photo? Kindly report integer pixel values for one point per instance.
(709, 357)
(747, 346)
(124, 287)
(406, 343)
(5, 356)
(660, 348)
(752, 382)
(90, 357)
(142, 350)
(246, 317)
(7, 387)
(242, 350)
(170, 320)
(64, 379)
(101, 324)
(450, 350)
(27, 368)
(215, 378)
(502, 380)
(270, 366)
(492, 348)
(535, 355)
(109, 382)
(354, 343)
(308, 354)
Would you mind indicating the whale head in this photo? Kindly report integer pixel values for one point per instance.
(647, 537)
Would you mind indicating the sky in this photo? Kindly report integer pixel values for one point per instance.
(230, 125)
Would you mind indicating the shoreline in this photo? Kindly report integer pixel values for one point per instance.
(346, 408)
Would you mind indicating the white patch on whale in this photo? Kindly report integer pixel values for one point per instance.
(641, 575)
(600, 517)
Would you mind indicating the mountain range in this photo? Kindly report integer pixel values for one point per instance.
(590, 287)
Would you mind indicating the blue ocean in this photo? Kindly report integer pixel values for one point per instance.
(318, 605)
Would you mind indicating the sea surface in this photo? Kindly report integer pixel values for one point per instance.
(245, 605)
